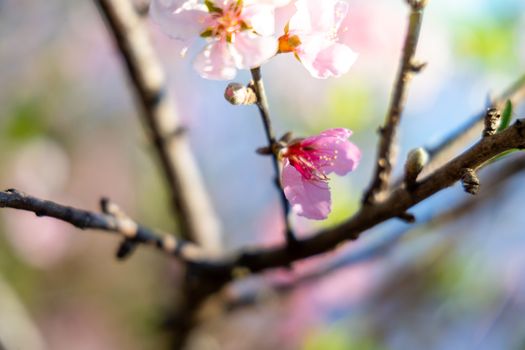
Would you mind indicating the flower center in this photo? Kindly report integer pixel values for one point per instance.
(309, 161)
(289, 43)
(225, 22)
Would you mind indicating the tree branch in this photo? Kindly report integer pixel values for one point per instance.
(387, 142)
(111, 220)
(262, 104)
(196, 218)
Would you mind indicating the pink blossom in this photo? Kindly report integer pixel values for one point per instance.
(313, 36)
(239, 33)
(306, 165)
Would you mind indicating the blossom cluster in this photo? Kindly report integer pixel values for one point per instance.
(240, 34)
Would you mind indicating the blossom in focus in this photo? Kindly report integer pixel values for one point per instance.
(239, 32)
(306, 166)
(312, 34)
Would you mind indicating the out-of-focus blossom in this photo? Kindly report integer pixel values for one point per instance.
(313, 36)
(239, 33)
(306, 165)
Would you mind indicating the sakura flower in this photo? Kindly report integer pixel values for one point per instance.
(239, 33)
(306, 166)
(312, 35)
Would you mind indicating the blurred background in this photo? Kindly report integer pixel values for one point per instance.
(69, 132)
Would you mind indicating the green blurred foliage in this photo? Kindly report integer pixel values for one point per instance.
(22, 277)
(457, 280)
(489, 41)
(338, 338)
(348, 104)
(25, 121)
(350, 107)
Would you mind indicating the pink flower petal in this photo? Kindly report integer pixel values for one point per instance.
(317, 16)
(216, 62)
(332, 61)
(337, 132)
(180, 19)
(253, 50)
(340, 13)
(316, 24)
(344, 155)
(275, 3)
(261, 18)
(310, 199)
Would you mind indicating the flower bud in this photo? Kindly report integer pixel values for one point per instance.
(416, 160)
(238, 94)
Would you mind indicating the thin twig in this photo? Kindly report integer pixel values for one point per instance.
(196, 218)
(262, 104)
(458, 139)
(110, 220)
(387, 142)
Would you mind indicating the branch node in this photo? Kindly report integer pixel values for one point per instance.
(492, 121)
(104, 205)
(417, 66)
(286, 138)
(110, 208)
(142, 8)
(470, 181)
(417, 5)
(407, 217)
(264, 151)
(126, 248)
(520, 127)
(177, 132)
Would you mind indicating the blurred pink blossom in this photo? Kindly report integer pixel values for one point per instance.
(313, 36)
(239, 33)
(40, 242)
(306, 164)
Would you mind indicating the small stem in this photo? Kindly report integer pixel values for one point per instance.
(262, 104)
(111, 220)
(387, 143)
